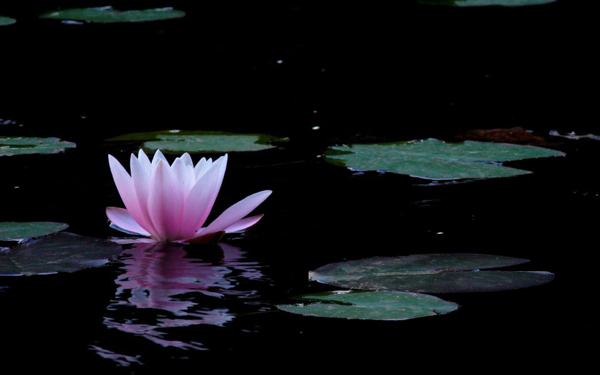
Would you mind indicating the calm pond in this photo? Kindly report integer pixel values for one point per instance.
(334, 91)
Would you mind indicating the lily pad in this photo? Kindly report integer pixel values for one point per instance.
(416, 264)
(176, 141)
(479, 3)
(32, 145)
(63, 252)
(5, 21)
(377, 305)
(430, 273)
(109, 15)
(437, 160)
(450, 282)
(18, 231)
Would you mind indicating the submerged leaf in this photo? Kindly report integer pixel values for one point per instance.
(437, 160)
(109, 15)
(506, 3)
(63, 252)
(430, 273)
(5, 21)
(176, 141)
(17, 231)
(478, 3)
(32, 145)
(376, 305)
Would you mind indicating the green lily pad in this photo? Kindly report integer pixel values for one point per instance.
(5, 21)
(109, 15)
(377, 305)
(18, 231)
(478, 3)
(62, 252)
(437, 160)
(416, 264)
(430, 273)
(31, 145)
(176, 141)
(450, 282)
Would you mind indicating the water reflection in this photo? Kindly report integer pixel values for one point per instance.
(164, 286)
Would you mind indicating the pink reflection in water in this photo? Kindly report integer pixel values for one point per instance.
(175, 289)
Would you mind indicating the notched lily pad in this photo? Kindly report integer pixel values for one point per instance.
(437, 160)
(430, 273)
(32, 145)
(18, 231)
(5, 21)
(370, 305)
(479, 3)
(62, 252)
(178, 141)
(109, 15)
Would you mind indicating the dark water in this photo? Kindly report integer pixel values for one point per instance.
(321, 75)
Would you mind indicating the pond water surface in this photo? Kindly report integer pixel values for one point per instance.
(321, 76)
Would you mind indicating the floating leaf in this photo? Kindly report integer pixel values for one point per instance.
(378, 305)
(176, 141)
(63, 252)
(478, 3)
(436, 160)
(450, 282)
(17, 231)
(430, 273)
(416, 264)
(109, 15)
(32, 145)
(5, 21)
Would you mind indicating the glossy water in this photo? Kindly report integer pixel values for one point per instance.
(320, 75)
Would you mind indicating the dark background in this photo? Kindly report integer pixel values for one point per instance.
(365, 72)
(403, 68)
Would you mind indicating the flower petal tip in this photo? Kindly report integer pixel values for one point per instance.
(122, 220)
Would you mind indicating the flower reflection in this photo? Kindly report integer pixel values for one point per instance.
(175, 289)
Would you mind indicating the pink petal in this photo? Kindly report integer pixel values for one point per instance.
(240, 225)
(121, 218)
(187, 159)
(201, 198)
(165, 203)
(125, 187)
(184, 174)
(158, 156)
(141, 172)
(236, 212)
(143, 158)
(202, 167)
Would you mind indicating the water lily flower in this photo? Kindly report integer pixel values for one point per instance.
(172, 202)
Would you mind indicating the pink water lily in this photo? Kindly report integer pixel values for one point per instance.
(172, 202)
